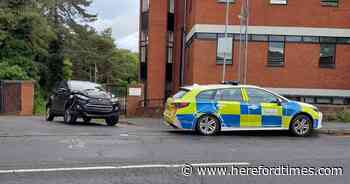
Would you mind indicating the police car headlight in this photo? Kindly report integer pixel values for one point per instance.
(315, 109)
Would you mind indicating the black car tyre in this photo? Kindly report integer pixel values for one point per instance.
(301, 126)
(49, 115)
(69, 117)
(208, 125)
(86, 119)
(112, 121)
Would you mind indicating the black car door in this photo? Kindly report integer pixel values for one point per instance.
(60, 97)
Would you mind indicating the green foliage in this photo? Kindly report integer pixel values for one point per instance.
(15, 72)
(49, 40)
(343, 116)
(67, 69)
(39, 101)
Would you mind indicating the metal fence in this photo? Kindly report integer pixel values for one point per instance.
(121, 92)
(10, 97)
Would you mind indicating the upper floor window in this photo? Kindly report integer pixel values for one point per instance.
(145, 5)
(327, 55)
(278, 1)
(329, 3)
(225, 1)
(224, 50)
(171, 6)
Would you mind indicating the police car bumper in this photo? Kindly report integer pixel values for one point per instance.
(319, 121)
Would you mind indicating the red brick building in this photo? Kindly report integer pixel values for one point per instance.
(296, 47)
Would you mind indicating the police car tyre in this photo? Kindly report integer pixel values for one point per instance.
(49, 115)
(208, 125)
(301, 126)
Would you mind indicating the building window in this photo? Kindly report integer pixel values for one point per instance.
(259, 38)
(170, 46)
(329, 3)
(275, 54)
(311, 39)
(224, 50)
(327, 55)
(293, 38)
(171, 6)
(225, 1)
(278, 2)
(143, 54)
(145, 5)
(322, 100)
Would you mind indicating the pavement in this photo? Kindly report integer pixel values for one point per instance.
(33, 151)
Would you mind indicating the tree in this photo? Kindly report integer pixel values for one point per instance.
(24, 37)
(64, 17)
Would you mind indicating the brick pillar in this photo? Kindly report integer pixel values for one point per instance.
(158, 15)
(27, 98)
(135, 95)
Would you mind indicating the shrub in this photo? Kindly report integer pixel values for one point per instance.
(39, 102)
(343, 116)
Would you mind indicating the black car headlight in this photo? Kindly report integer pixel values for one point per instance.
(115, 100)
(82, 98)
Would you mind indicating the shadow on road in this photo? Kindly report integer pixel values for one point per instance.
(256, 133)
(81, 123)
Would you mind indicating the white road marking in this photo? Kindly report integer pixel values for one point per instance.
(120, 167)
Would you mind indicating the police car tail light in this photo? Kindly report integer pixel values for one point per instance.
(181, 105)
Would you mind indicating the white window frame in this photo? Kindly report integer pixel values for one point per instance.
(279, 2)
(145, 5)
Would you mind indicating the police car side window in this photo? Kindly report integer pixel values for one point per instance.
(207, 95)
(233, 94)
(257, 96)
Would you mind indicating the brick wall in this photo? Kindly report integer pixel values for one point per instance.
(301, 68)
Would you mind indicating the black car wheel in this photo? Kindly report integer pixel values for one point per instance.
(69, 117)
(112, 121)
(49, 115)
(86, 119)
(301, 126)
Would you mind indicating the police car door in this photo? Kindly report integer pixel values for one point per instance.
(229, 102)
(263, 108)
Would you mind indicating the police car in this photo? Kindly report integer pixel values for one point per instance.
(209, 109)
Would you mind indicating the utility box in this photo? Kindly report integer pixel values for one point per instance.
(16, 97)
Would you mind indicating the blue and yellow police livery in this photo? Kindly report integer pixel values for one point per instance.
(209, 109)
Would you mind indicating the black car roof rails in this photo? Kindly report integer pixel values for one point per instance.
(234, 83)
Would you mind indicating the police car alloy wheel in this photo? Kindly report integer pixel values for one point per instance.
(301, 126)
(208, 125)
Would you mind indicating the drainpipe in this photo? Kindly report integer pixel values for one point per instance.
(183, 58)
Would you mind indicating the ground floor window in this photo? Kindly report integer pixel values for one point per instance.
(276, 54)
(327, 55)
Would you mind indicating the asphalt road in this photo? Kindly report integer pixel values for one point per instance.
(33, 151)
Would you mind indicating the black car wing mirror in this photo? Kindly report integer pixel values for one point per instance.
(61, 91)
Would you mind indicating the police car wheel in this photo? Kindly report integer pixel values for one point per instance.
(301, 126)
(208, 125)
